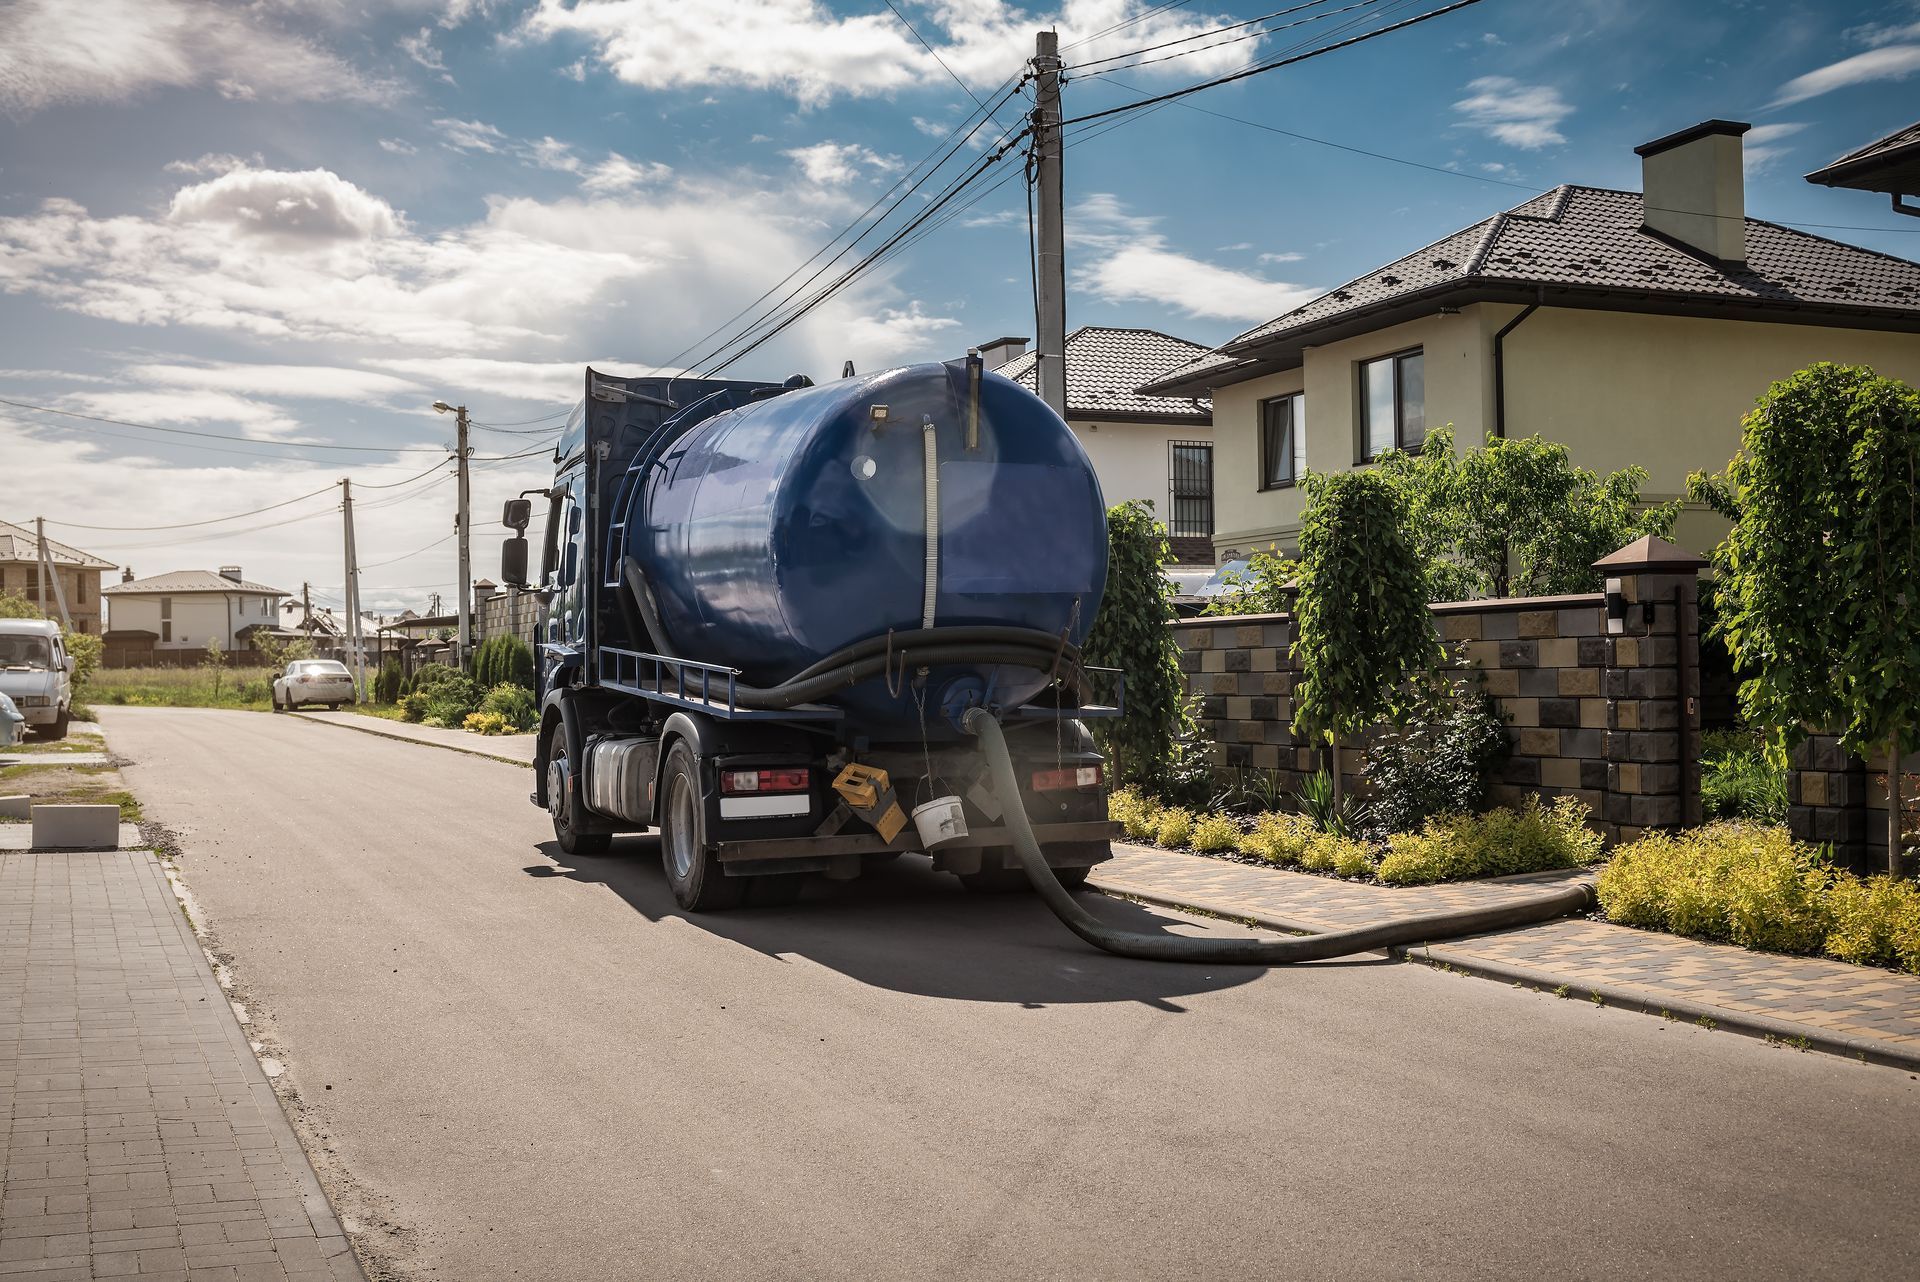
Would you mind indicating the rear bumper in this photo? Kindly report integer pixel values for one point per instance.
(871, 843)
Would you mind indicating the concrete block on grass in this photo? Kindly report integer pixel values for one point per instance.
(76, 827)
(16, 807)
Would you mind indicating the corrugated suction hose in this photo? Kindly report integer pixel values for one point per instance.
(1257, 952)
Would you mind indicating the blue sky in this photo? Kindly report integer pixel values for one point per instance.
(302, 221)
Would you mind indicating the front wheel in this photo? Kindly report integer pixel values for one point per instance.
(698, 882)
(560, 804)
(58, 730)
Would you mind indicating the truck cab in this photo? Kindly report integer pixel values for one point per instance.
(36, 673)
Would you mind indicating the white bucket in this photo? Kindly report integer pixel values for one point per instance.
(939, 820)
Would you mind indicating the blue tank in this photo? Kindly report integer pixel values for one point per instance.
(779, 532)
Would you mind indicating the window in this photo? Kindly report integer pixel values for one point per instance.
(1283, 441)
(166, 618)
(80, 589)
(1190, 489)
(1393, 404)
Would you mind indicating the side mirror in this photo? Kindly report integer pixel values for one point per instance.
(68, 664)
(518, 512)
(513, 557)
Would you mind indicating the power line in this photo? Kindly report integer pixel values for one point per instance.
(410, 555)
(222, 436)
(936, 56)
(1142, 17)
(1274, 64)
(187, 525)
(1216, 31)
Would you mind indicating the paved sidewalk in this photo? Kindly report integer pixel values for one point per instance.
(1852, 1010)
(516, 749)
(138, 1133)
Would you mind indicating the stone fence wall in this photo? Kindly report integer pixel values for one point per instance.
(1610, 719)
(1836, 798)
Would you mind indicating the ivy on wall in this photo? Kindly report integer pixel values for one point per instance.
(1132, 633)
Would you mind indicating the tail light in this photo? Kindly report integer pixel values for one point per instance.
(777, 779)
(1068, 777)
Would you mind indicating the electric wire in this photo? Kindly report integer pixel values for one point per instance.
(407, 556)
(188, 525)
(1083, 67)
(223, 436)
(912, 31)
(1140, 17)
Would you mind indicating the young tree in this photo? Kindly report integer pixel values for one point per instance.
(215, 665)
(1819, 581)
(1362, 630)
(1516, 517)
(1131, 633)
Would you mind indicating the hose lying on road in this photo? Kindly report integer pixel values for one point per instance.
(1339, 943)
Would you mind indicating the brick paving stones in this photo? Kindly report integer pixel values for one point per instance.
(138, 1135)
(1823, 998)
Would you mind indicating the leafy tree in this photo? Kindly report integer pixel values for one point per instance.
(387, 683)
(278, 653)
(1363, 634)
(1516, 517)
(1265, 588)
(504, 658)
(84, 647)
(1131, 633)
(15, 606)
(1818, 578)
(215, 665)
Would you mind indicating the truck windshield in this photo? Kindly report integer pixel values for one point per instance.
(26, 653)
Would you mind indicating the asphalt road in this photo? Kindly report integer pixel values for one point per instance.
(539, 1069)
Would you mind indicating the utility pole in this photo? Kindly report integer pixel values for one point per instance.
(352, 590)
(1050, 259)
(462, 522)
(45, 559)
(306, 609)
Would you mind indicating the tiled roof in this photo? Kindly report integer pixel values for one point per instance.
(1590, 240)
(186, 581)
(1885, 164)
(1105, 365)
(17, 544)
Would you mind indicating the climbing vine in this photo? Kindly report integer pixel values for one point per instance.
(1131, 633)
(1819, 580)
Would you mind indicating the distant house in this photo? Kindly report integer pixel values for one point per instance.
(1635, 327)
(1889, 165)
(187, 610)
(78, 575)
(1158, 448)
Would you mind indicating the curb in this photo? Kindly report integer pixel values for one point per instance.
(475, 751)
(1744, 1023)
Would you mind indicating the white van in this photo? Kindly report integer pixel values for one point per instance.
(36, 672)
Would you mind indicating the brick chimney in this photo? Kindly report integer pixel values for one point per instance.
(996, 352)
(126, 574)
(1695, 189)
(230, 572)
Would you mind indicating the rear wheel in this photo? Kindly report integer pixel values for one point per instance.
(699, 885)
(560, 804)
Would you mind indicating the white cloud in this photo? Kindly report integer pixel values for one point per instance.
(835, 164)
(1129, 262)
(313, 206)
(806, 50)
(1889, 62)
(1873, 35)
(419, 47)
(1761, 144)
(115, 50)
(1289, 257)
(255, 418)
(1519, 115)
(398, 146)
(470, 135)
(617, 174)
(317, 382)
(212, 163)
(575, 71)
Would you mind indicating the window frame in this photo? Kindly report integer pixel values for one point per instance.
(1297, 427)
(1173, 522)
(1363, 419)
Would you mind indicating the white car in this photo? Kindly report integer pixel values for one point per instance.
(37, 673)
(13, 726)
(312, 681)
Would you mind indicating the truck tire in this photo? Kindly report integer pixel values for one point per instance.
(58, 730)
(694, 875)
(560, 805)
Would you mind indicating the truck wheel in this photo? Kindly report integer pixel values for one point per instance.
(560, 805)
(58, 730)
(694, 874)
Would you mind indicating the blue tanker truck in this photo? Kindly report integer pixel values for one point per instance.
(768, 611)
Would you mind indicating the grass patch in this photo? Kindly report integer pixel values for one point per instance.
(1738, 780)
(246, 688)
(71, 785)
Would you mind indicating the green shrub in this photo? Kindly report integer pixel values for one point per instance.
(513, 704)
(1328, 812)
(413, 705)
(1874, 921)
(1498, 843)
(486, 723)
(1130, 632)
(1321, 852)
(1354, 859)
(1214, 833)
(1173, 827)
(1278, 837)
(437, 723)
(1738, 781)
(387, 682)
(1441, 761)
(451, 698)
(1135, 812)
(428, 675)
(1737, 883)
(503, 659)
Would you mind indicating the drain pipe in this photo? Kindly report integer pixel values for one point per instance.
(1257, 952)
(1500, 365)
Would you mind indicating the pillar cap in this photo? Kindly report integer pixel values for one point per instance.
(1650, 554)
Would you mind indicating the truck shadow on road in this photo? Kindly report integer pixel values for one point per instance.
(907, 928)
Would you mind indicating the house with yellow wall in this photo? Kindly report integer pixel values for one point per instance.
(1637, 328)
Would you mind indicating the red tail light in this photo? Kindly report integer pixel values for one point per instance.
(1068, 777)
(778, 779)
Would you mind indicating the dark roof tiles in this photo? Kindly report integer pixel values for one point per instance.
(1105, 365)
